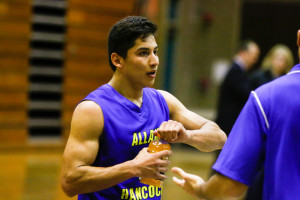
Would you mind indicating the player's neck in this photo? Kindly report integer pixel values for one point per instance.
(130, 92)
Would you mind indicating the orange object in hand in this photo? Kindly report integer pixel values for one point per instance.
(156, 146)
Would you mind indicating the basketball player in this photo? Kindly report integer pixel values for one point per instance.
(105, 154)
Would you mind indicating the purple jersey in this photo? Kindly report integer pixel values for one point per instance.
(127, 129)
(267, 134)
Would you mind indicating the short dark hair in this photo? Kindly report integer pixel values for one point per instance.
(123, 34)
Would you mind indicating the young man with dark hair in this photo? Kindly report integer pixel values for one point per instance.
(122, 37)
(106, 151)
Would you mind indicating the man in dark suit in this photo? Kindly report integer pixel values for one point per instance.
(236, 87)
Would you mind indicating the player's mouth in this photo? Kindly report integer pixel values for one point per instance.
(152, 73)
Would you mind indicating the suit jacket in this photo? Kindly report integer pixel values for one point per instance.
(260, 78)
(233, 94)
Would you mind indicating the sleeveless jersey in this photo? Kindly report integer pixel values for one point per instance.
(127, 130)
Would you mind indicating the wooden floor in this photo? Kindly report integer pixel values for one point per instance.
(34, 174)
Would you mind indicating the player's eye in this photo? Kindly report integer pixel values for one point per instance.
(143, 53)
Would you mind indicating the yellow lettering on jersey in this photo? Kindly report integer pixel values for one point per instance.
(151, 136)
(135, 140)
(132, 197)
(140, 139)
(157, 192)
(151, 191)
(145, 137)
(138, 193)
(144, 193)
(124, 194)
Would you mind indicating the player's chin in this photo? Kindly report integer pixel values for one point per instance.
(149, 83)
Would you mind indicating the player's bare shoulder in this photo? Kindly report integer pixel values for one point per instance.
(171, 100)
(168, 96)
(88, 116)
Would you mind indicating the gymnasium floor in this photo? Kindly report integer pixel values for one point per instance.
(33, 174)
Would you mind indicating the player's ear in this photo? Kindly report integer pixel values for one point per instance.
(116, 60)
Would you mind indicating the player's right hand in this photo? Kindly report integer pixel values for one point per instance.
(152, 165)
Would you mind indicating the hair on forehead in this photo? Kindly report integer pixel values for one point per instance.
(124, 33)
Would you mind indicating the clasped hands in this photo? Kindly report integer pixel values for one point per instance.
(152, 165)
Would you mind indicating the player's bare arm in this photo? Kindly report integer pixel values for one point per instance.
(78, 176)
(190, 128)
(217, 187)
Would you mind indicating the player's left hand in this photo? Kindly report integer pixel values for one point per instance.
(172, 131)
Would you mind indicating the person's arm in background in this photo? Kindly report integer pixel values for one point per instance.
(190, 128)
(78, 176)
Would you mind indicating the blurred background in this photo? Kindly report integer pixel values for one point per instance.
(53, 53)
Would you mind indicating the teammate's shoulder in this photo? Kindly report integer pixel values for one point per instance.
(273, 89)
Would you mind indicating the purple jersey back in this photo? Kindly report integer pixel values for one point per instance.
(267, 134)
(127, 129)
